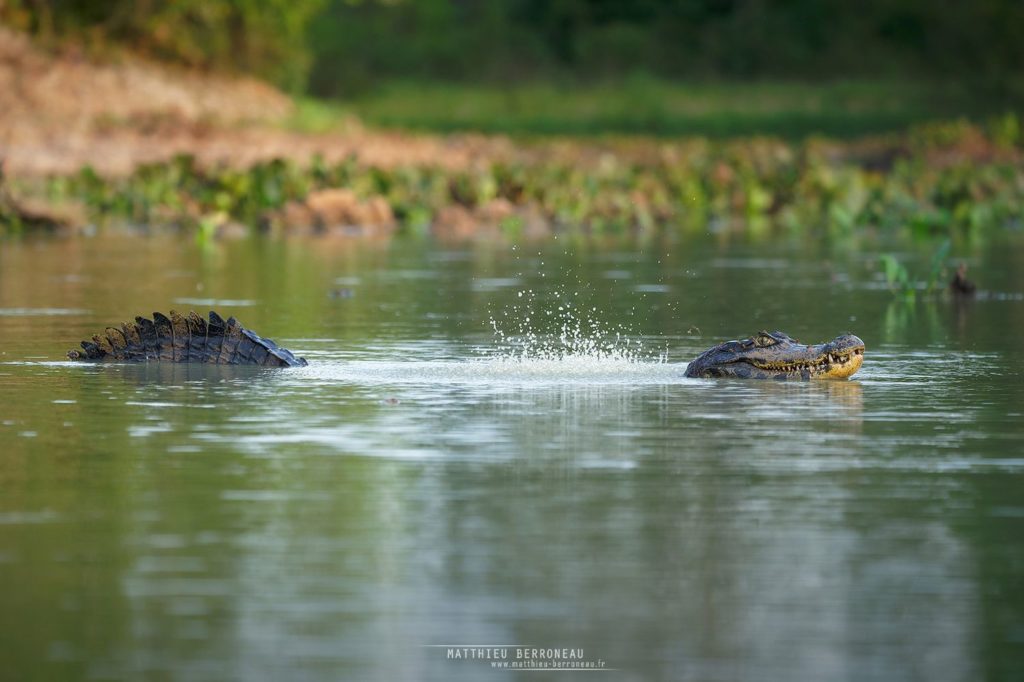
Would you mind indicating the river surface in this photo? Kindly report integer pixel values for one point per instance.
(493, 458)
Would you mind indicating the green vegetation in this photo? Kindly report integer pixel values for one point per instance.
(938, 179)
(266, 38)
(344, 48)
(358, 45)
(899, 279)
(643, 105)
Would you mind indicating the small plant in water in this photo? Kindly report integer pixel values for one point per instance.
(901, 283)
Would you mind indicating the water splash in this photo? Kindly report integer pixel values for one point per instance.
(561, 331)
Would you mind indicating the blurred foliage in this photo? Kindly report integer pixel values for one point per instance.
(9, 218)
(654, 106)
(938, 180)
(358, 44)
(266, 38)
(341, 47)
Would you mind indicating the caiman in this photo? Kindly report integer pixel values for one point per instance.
(181, 338)
(774, 355)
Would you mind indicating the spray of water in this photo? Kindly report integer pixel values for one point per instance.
(561, 330)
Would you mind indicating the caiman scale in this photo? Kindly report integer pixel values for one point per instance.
(190, 338)
(181, 338)
(774, 355)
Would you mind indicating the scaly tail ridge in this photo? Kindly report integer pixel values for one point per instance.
(186, 338)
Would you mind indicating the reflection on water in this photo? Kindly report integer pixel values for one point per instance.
(419, 483)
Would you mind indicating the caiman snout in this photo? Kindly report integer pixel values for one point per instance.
(843, 357)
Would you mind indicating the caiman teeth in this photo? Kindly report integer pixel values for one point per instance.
(822, 363)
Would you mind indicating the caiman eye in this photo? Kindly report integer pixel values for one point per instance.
(763, 340)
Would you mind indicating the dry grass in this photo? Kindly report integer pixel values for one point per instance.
(59, 113)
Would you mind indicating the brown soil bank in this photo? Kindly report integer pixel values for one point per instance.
(59, 113)
(215, 154)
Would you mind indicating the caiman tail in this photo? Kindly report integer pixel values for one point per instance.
(189, 338)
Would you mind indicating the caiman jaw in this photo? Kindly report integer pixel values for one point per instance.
(833, 365)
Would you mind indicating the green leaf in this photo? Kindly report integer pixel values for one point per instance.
(938, 260)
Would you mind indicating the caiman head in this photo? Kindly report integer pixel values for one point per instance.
(774, 355)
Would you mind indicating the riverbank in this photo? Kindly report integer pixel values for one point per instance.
(133, 143)
(933, 180)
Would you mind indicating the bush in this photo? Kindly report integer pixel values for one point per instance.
(266, 38)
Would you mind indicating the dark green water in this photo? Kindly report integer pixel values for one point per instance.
(420, 487)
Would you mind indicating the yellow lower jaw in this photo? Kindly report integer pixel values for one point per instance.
(847, 369)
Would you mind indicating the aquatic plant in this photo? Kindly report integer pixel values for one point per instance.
(905, 285)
